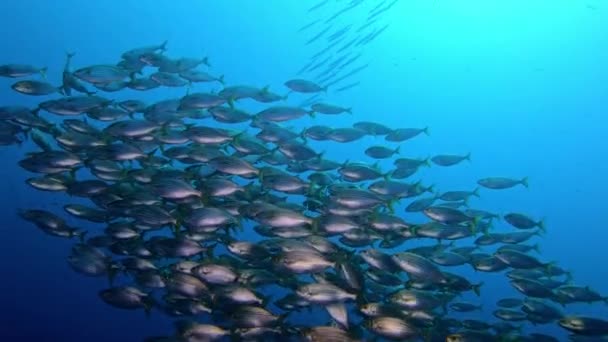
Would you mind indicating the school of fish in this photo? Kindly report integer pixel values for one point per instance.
(193, 207)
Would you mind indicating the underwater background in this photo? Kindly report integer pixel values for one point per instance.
(521, 85)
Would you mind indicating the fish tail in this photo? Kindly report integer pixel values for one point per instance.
(387, 176)
(548, 266)
(541, 226)
(476, 192)
(283, 317)
(361, 298)
(426, 131)
(314, 226)
(303, 136)
(390, 205)
(414, 229)
(209, 251)
(524, 182)
(569, 277)
(266, 299)
(163, 46)
(43, 71)
(148, 305)
(80, 234)
(221, 79)
(113, 269)
(477, 288)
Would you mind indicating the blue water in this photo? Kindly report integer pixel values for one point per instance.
(521, 85)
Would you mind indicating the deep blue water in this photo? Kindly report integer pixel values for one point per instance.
(521, 85)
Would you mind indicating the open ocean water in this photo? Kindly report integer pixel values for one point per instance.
(520, 85)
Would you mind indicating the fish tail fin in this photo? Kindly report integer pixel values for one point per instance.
(303, 136)
(132, 76)
(312, 114)
(427, 161)
(314, 226)
(221, 79)
(349, 110)
(476, 192)
(80, 234)
(163, 46)
(283, 317)
(206, 61)
(240, 134)
(390, 205)
(397, 150)
(43, 71)
(548, 266)
(266, 299)
(541, 225)
(209, 251)
(468, 156)
(474, 228)
(148, 305)
(152, 153)
(361, 298)
(477, 288)
(536, 247)
(569, 277)
(113, 270)
(524, 182)
(414, 229)
(426, 130)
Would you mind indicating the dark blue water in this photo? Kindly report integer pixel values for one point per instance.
(520, 85)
